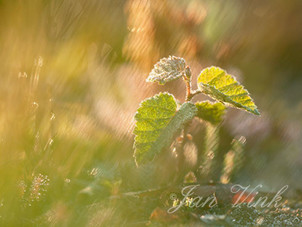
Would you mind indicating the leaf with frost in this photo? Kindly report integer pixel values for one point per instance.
(223, 87)
(167, 69)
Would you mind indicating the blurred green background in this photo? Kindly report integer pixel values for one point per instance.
(73, 74)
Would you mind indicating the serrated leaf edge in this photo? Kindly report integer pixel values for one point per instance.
(256, 112)
(177, 109)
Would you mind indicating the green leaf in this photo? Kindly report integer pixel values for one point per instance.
(223, 87)
(167, 69)
(211, 112)
(157, 122)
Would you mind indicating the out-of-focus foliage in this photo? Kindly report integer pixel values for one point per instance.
(233, 160)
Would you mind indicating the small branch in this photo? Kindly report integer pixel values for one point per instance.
(189, 95)
(187, 79)
(189, 91)
(192, 94)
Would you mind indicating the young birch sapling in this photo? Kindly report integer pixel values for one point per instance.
(160, 119)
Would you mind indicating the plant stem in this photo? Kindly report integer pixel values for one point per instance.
(187, 79)
(189, 95)
(192, 94)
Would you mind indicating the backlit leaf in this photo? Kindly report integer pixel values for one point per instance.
(211, 112)
(223, 87)
(157, 122)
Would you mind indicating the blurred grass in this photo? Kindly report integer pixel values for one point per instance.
(72, 75)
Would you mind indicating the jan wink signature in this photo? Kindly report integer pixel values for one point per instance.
(243, 195)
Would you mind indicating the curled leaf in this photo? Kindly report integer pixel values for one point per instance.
(167, 69)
